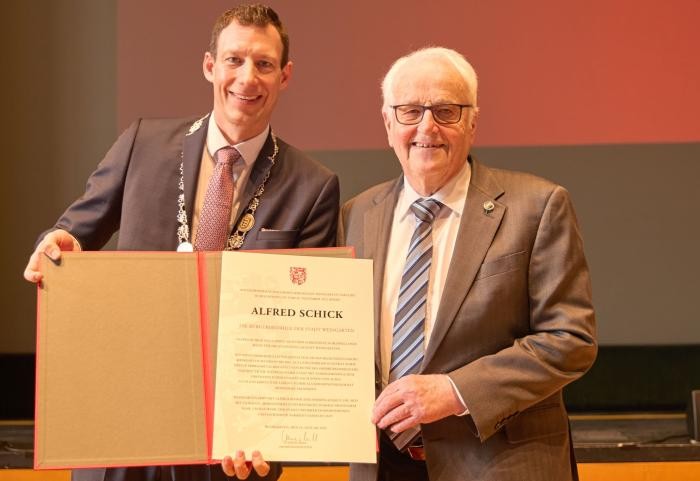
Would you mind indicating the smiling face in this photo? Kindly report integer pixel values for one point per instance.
(430, 153)
(247, 78)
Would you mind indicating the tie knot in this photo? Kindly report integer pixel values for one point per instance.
(227, 155)
(425, 210)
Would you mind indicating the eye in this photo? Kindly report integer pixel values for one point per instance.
(235, 61)
(265, 66)
(445, 111)
(410, 110)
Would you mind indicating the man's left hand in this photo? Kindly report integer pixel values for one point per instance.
(415, 399)
(241, 468)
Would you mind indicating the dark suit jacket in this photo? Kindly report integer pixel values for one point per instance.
(135, 191)
(515, 324)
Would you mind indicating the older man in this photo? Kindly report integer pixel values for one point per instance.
(483, 302)
(222, 181)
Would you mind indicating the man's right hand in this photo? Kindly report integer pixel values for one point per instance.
(52, 244)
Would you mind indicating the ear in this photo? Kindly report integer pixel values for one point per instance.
(472, 122)
(286, 75)
(387, 125)
(208, 66)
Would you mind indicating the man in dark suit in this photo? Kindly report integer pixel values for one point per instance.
(161, 184)
(482, 295)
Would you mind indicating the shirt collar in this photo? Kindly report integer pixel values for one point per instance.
(453, 194)
(249, 149)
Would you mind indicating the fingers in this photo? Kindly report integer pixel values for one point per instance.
(415, 399)
(52, 244)
(60, 240)
(48, 247)
(239, 467)
(227, 466)
(399, 419)
(388, 400)
(398, 407)
(31, 272)
(260, 465)
(236, 466)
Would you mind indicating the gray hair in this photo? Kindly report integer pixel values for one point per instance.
(455, 58)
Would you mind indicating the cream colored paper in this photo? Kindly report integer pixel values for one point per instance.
(295, 367)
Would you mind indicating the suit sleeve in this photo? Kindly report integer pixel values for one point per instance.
(341, 241)
(560, 345)
(95, 216)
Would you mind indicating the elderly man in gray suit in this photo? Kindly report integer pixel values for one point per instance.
(222, 181)
(482, 295)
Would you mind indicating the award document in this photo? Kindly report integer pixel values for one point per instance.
(152, 358)
(295, 361)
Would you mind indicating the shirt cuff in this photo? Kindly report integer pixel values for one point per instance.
(459, 396)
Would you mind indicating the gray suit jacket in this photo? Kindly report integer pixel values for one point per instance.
(514, 326)
(135, 191)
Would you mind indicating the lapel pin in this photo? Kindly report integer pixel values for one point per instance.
(488, 207)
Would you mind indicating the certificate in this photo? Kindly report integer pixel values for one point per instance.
(295, 358)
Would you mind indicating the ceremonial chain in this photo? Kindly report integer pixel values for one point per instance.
(246, 222)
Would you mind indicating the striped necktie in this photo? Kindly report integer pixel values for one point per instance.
(213, 229)
(409, 321)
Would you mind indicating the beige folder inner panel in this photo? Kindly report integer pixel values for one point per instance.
(119, 361)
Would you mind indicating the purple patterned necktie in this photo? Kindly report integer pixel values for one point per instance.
(409, 321)
(213, 229)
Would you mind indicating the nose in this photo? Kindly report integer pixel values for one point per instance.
(427, 123)
(246, 72)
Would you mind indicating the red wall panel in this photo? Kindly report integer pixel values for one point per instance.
(551, 72)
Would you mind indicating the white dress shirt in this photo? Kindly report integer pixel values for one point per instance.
(445, 226)
(249, 150)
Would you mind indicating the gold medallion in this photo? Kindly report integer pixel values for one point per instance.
(185, 247)
(247, 222)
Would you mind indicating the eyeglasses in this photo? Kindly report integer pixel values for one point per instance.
(443, 113)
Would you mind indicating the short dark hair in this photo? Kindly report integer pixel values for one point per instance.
(256, 14)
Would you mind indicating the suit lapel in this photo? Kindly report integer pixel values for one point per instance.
(476, 232)
(192, 149)
(377, 229)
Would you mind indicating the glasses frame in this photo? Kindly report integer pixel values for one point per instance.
(430, 107)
